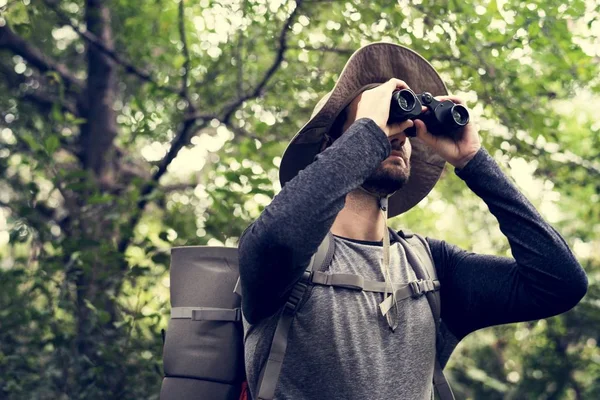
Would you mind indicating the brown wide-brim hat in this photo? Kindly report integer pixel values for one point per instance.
(370, 65)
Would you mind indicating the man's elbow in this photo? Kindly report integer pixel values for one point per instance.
(575, 287)
(580, 287)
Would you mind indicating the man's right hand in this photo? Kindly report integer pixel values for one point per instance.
(375, 104)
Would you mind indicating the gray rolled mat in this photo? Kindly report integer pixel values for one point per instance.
(183, 389)
(209, 353)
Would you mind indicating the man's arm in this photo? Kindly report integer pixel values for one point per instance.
(275, 250)
(543, 279)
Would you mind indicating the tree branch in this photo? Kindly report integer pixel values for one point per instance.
(239, 50)
(186, 54)
(324, 49)
(182, 139)
(240, 63)
(40, 98)
(241, 132)
(37, 213)
(45, 102)
(34, 56)
(187, 131)
(176, 187)
(229, 109)
(96, 42)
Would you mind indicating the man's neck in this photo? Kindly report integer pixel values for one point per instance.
(360, 219)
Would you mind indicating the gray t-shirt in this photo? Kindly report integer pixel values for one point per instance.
(340, 337)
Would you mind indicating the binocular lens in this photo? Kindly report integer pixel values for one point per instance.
(460, 115)
(403, 103)
(406, 100)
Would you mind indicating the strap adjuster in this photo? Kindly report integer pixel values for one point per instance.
(417, 289)
(295, 296)
(307, 276)
(421, 287)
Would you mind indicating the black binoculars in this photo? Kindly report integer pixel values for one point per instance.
(441, 117)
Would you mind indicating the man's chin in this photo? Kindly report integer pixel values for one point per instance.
(388, 182)
(397, 171)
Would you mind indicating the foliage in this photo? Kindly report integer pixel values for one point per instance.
(130, 127)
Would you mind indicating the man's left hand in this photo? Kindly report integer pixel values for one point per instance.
(457, 151)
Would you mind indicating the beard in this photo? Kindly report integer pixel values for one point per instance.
(391, 175)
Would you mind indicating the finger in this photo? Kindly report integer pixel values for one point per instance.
(422, 132)
(400, 127)
(454, 99)
(394, 84)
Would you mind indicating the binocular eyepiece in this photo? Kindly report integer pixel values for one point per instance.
(441, 117)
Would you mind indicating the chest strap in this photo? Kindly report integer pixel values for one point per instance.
(347, 281)
(414, 289)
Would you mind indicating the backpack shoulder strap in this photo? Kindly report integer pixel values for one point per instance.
(320, 259)
(421, 247)
(269, 375)
(420, 258)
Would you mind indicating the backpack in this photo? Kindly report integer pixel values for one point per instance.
(203, 351)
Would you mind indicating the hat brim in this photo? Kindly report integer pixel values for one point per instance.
(373, 63)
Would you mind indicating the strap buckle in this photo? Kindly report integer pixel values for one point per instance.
(417, 288)
(307, 276)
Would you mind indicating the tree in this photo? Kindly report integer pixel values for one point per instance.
(130, 127)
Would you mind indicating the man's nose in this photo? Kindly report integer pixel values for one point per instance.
(398, 140)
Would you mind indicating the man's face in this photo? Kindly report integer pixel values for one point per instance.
(393, 172)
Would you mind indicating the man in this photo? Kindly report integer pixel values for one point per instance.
(340, 346)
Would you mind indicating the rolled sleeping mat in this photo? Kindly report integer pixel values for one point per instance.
(203, 354)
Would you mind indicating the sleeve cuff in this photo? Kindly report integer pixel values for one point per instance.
(481, 159)
(379, 136)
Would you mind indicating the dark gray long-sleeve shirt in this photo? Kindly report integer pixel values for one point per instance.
(339, 345)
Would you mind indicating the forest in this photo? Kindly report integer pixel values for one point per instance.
(131, 127)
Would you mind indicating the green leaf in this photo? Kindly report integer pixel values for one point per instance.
(17, 13)
(31, 141)
(74, 120)
(103, 316)
(178, 61)
(89, 305)
(101, 198)
(534, 30)
(51, 143)
(57, 112)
